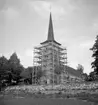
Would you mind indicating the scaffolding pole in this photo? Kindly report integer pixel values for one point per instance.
(45, 55)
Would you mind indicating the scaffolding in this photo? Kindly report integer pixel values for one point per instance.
(48, 57)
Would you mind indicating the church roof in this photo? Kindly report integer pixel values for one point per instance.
(50, 37)
(73, 71)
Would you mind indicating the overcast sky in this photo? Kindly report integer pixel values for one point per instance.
(24, 24)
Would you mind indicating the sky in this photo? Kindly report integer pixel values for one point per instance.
(24, 24)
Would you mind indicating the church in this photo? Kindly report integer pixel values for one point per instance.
(51, 57)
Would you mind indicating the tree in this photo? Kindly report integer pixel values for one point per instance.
(93, 76)
(4, 72)
(32, 75)
(37, 73)
(3, 64)
(26, 74)
(15, 67)
(85, 77)
(30, 70)
(94, 64)
(3, 67)
(10, 70)
(58, 69)
(80, 68)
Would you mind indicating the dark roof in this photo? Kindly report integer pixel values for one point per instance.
(50, 41)
(73, 71)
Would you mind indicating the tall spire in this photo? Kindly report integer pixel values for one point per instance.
(50, 30)
(50, 33)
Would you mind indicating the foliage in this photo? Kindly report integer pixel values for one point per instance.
(4, 74)
(93, 76)
(37, 74)
(26, 74)
(58, 69)
(85, 76)
(15, 67)
(31, 74)
(10, 70)
(95, 55)
(80, 68)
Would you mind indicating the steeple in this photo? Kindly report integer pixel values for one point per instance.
(50, 33)
(50, 30)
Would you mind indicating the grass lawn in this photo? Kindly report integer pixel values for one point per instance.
(26, 96)
(39, 101)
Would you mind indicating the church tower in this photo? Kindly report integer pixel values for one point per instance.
(51, 57)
